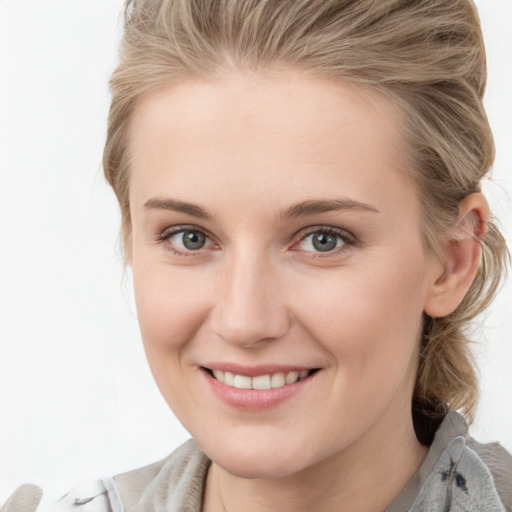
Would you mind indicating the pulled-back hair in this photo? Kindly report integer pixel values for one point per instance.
(426, 55)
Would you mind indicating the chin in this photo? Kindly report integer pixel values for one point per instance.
(262, 466)
(251, 460)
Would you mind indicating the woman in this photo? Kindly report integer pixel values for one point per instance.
(299, 185)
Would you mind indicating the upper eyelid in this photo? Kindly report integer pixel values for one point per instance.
(298, 237)
(173, 230)
(333, 229)
(342, 233)
(165, 236)
(307, 230)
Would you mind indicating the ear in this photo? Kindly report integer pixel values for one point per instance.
(462, 256)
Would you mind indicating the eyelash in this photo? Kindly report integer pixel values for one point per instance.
(167, 234)
(347, 239)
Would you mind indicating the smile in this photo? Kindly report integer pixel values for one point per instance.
(261, 382)
(257, 387)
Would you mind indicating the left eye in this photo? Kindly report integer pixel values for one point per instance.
(323, 240)
(187, 240)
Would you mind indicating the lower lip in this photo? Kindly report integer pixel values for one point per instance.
(256, 399)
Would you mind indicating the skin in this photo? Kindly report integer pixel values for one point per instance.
(245, 148)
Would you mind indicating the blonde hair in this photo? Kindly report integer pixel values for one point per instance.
(427, 55)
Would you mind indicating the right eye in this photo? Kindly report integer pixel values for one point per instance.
(183, 241)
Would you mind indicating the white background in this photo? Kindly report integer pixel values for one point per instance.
(77, 400)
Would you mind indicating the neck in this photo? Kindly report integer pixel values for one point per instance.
(367, 476)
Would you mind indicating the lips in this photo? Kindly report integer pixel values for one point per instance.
(253, 388)
(266, 381)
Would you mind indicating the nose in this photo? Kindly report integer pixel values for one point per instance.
(251, 306)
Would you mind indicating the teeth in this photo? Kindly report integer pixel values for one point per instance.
(261, 382)
(219, 375)
(291, 377)
(275, 380)
(278, 380)
(243, 382)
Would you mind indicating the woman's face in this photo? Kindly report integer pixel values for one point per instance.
(276, 237)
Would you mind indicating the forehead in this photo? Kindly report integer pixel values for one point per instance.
(267, 132)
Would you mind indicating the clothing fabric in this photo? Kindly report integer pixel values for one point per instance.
(458, 475)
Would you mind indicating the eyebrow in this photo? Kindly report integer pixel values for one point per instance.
(178, 206)
(315, 207)
(302, 209)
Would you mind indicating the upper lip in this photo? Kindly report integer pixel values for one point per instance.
(254, 371)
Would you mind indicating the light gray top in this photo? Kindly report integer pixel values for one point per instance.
(458, 474)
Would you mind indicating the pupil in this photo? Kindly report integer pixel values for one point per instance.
(193, 240)
(324, 242)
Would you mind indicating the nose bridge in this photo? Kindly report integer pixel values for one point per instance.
(251, 306)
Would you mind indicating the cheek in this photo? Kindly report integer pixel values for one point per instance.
(170, 306)
(368, 319)
(170, 310)
(370, 325)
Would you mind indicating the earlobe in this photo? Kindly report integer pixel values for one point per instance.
(462, 257)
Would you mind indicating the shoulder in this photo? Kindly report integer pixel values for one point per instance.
(174, 483)
(499, 463)
(459, 474)
(91, 497)
(459, 480)
(469, 475)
